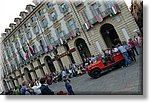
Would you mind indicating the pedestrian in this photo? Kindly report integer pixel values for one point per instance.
(124, 53)
(44, 87)
(36, 88)
(69, 87)
(70, 72)
(133, 48)
(17, 90)
(63, 74)
(140, 39)
(130, 52)
(26, 89)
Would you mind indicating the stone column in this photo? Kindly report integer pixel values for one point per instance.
(57, 67)
(20, 80)
(8, 85)
(39, 73)
(16, 82)
(76, 57)
(24, 77)
(75, 54)
(46, 70)
(66, 61)
(33, 75)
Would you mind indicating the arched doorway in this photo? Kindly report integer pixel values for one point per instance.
(50, 64)
(12, 82)
(82, 48)
(109, 35)
(27, 74)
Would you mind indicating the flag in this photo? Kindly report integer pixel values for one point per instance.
(27, 56)
(47, 49)
(30, 48)
(61, 41)
(86, 25)
(114, 10)
(99, 18)
(24, 50)
(51, 47)
(73, 33)
(21, 56)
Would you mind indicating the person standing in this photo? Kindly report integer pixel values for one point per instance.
(44, 88)
(69, 87)
(130, 52)
(36, 88)
(133, 48)
(124, 53)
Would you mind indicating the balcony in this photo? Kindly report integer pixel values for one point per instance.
(56, 43)
(104, 14)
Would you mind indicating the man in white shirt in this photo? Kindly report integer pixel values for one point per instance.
(36, 88)
(124, 53)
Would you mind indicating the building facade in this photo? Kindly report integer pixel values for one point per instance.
(50, 35)
(137, 12)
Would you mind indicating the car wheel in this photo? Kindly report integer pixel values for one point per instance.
(95, 73)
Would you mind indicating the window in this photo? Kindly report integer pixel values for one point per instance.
(36, 29)
(49, 4)
(25, 25)
(111, 3)
(17, 44)
(95, 9)
(59, 32)
(44, 23)
(51, 40)
(41, 45)
(84, 15)
(63, 8)
(22, 40)
(40, 12)
(34, 48)
(29, 35)
(19, 31)
(49, 37)
(7, 53)
(71, 25)
(53, 16)
(78, 2)
(33, 19)
(12, 48)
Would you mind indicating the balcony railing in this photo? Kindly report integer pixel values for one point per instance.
(104, 14)
(54, 44)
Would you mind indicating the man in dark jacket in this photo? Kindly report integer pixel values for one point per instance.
(44, 88)
(69, 87)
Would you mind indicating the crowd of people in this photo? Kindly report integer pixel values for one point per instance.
(128, 50)
(40, 86)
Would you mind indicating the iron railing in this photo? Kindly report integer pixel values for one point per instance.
(104, 14)
(56, 43)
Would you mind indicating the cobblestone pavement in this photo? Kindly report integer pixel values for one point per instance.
(127, 80)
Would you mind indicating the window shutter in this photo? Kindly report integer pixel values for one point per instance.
(67, 6)
(50, 17)
(60, 9)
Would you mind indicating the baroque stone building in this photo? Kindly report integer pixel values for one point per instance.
(50, 35)
(137, 12)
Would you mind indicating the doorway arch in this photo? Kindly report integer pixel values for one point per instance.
(82, 48)
(109, 35)
(49, 64)
(27, 74)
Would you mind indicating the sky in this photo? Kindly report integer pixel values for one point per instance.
(10, 9)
